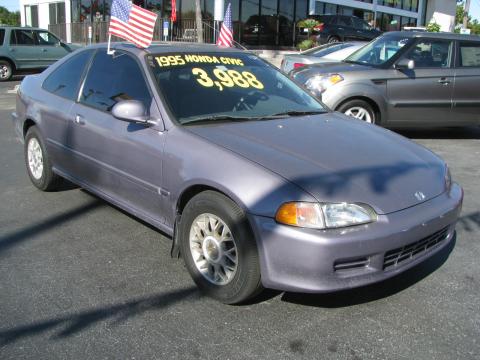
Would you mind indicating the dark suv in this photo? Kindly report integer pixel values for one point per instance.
(334, 28)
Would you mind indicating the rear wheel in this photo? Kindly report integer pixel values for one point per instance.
(333, 39)
(38, 163)
(6, 70)
(359, 109)
(218, 248)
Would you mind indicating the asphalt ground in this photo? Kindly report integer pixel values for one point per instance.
(80, 279)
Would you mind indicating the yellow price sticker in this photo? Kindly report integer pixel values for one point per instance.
(229, 78)
(182, 59)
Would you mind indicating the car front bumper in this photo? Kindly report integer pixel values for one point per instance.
(316, 261)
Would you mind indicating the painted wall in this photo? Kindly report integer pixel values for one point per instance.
(442, 12)
(44, 13)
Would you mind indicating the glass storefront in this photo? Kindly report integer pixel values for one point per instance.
(270, 23)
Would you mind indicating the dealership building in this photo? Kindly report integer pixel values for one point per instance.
(273, 20)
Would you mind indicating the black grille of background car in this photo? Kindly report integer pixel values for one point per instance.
(350, 264)
(396, 256)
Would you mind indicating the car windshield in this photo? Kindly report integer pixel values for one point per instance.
(379, 51)
(227, 87)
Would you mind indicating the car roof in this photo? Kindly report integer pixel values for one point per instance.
(13, 27)
(436, 35)
(158, 47)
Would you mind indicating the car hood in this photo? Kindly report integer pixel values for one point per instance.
(336, 159)
(330, 67)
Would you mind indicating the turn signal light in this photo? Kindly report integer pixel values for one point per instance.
(297, 65)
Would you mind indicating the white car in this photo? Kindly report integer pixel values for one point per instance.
(331, 52)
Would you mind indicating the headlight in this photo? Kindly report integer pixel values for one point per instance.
(319, 83)
(448, 178)
(324, 216)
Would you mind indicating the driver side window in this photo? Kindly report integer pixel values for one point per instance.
(431, 53)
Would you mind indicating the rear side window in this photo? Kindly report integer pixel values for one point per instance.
(64, 80)
(112, 79)
(22, 37)
(2, 36)
(469, 54)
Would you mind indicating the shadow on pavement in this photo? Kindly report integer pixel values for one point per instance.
(467, 132)
(376, 291)
(13, 238)
(73, 323)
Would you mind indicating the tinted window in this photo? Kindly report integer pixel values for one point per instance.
(22, 37)
(112, 79)
(360, 24)
(430, 53)
(44, 38)
(2, 36)
(343, 21)
(469, 54)
(64, 80)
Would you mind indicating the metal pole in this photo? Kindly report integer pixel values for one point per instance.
(465, 14)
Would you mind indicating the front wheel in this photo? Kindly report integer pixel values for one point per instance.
(359, 109)
(218, 248)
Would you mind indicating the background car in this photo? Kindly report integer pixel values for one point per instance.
(26, 48)
(335, 28)
(404, 79)
(331, 52)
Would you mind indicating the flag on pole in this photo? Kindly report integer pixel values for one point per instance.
(132, 23)
(225, 38)
(173, 15)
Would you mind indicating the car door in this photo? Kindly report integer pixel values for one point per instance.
(423, 94)
(60, 91)
(466, 94)
(49, 46)
(120, 159)
(23, 49)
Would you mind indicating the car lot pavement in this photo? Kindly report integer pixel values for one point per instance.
(81, 279)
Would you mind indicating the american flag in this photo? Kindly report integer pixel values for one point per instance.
(225, 38)
(132, 23)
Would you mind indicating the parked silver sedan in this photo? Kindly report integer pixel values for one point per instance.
(258, 184)
(332, 52)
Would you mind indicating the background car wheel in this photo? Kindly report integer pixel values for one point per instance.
(38, 163)
(333, 39)
(219, 249)
(359, 109)
(6, 70)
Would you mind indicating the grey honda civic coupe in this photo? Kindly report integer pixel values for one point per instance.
(258, 184)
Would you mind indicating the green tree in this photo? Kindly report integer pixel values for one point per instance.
(473, 25)
(9, 17)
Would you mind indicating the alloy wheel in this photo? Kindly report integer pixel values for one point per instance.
(359, 113)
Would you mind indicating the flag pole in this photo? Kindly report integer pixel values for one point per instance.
(110, 52)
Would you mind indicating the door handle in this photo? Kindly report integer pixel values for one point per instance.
(44, 50)
(444, 81)
(79, 120)
(12, 49)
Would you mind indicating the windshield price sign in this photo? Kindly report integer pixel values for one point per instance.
(183, 59)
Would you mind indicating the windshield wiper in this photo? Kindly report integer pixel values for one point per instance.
(214, 118)
(293, 113)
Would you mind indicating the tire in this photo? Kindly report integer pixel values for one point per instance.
(39, 167)
(234, 281)
(359, 109)
(6, 70)
(333, 39)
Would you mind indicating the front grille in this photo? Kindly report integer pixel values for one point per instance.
(350, 264)
(397, 256)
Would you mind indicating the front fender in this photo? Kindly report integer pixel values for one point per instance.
(338, 94)
(192, 160)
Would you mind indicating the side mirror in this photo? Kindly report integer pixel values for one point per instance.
(131, 110)
(404, 64)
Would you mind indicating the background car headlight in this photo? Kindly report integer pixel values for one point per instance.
(319, 83)
(324, 216)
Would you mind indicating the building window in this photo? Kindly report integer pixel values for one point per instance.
(57, 13)
(31, 15)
